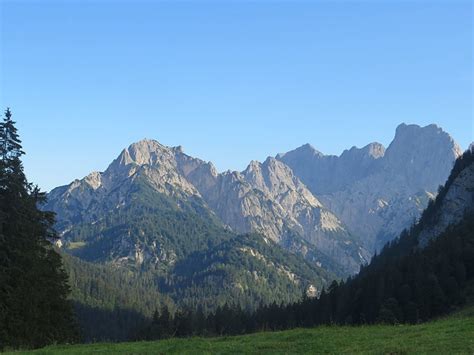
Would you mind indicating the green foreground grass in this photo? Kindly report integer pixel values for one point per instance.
(450, 335)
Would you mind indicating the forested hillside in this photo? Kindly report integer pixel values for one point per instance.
(244, 272)
(406, 283)
(395, 288)
(110, 302)
(147, 260)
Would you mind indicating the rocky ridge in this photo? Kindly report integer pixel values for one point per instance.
(377, 192)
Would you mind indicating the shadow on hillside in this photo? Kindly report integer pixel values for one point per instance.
(98, 324)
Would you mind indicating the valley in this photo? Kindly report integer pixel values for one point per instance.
(214, 177)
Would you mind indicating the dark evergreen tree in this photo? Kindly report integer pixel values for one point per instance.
(34, 310)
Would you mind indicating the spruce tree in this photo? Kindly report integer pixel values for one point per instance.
(34, 309)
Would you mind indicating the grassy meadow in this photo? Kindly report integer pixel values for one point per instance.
(450, 335)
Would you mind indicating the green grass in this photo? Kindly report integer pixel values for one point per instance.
(450, 335)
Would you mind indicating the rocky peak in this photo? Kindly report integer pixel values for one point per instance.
(414, 140)
(456, 201)
(328, 173)
(306, 150)
(144, 152)
(424, 155)
(148, 152)
(373, 150)
(274, 177)
(94, 179)
(357, 163)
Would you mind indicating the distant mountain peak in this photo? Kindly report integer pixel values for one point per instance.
(329, 201)
(373, 150)
(410, 130)
(413, 141)
(147, 152)
(305, 150)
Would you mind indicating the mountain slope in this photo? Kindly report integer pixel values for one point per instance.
(426, 272)
(375, 192)
(269, 199)
(246, 266)
(331, 210)
(455, 199)
(144, 217)
(265, 198)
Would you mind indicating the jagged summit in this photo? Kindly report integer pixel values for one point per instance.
(406, 131)
(404, 128)
(425, 155)
(377, 191)
(145, 151)
(306, 149)
(373, 150)
(413, 141)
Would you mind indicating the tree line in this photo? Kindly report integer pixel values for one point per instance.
(394, 288)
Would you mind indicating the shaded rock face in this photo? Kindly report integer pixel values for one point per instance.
(329, 173)
(375, 192)
(268, 198)
(424, 156)
(458, 201)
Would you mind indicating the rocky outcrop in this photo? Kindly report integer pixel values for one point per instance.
(269, 199)
(455, 203)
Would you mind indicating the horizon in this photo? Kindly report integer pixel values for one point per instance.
(230, 83)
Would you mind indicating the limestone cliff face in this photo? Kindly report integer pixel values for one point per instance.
(375, 192)
(109, 189)
(329, 173)
(458, 200)
(269, 199)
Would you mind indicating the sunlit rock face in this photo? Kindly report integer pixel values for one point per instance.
(267, 198)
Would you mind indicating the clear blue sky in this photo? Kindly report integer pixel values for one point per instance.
(230, 81)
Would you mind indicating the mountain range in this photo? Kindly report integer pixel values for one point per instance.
(172, 226)
(335, 211)
(377, 192)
